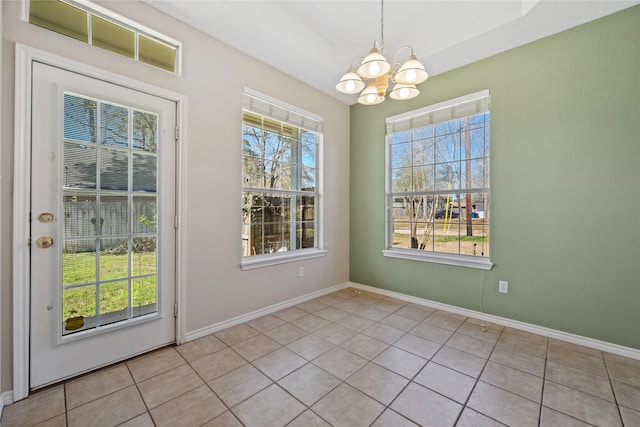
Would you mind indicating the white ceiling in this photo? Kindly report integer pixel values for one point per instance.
(316, 40)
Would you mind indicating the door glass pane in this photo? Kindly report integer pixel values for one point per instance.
(110, 192)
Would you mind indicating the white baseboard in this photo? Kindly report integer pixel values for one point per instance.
(6, 399)
(207, 330)
(528, 327)
(503, 321)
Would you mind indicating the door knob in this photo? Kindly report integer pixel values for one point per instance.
(44, 242)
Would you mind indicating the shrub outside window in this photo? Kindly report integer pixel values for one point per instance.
(280, 174)
(438, 183)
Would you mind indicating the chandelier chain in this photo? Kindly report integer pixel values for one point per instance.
(381, 25)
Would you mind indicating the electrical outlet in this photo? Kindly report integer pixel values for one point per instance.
(300, 271)
(503, 286)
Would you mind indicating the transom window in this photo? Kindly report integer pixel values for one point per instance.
(98, 26)
(438, 182)
(280, 175)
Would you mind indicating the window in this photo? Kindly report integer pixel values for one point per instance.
(438, 183)
(281, 209)
(90, 23)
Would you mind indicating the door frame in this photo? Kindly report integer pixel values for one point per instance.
(25, 56)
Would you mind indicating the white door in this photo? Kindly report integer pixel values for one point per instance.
(102, 223)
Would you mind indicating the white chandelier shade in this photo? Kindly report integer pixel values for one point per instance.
(371, 79)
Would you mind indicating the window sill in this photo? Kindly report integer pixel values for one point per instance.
(449, 259)
(258, 261)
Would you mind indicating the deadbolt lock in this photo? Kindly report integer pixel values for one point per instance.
(45, 217)
(44, 242)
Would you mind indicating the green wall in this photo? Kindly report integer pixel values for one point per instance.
(565, 185)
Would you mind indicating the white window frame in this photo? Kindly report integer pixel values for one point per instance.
(279, 110)
(479, 262)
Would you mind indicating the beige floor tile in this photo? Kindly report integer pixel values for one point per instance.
(308, 419)
(97, 384)
(225, 420)
(286, 333)
(239, 385)
(484, 323)
(383, 333)
(551, 418)
(310, 322)
(417, 345)
(421, 307)
(350, 306)
(372, 313)
(460, 361)
(331, 314)
(40, 406)
(517, 382)
(471, 345)
(164, 387)
(378, 382)
(579, 380)
(524, 362)
(554, 343)
(290, 314)
(635, 363)
(235, 334)
(392, 418)
(340, 363)
(627, 395)
(400, 361)
(111, 410)
(59, 421)
(279, 363)
(413, 313)
(449, 383)
(364, 346)
(577, 360)
(431, 332)
(193, 408)
(347, 407)
(582, 406)
(310, 347)
(444, 321)
(201, 347)
(389, 305)
(471, 418)
(503, 406)
(425, 407)
(355, 322)
(271, 407)
(329, 299)
(155, 363)
(334, 333)
(217, 364)
(401, 323)
(309, 384)
(624, 373)
(475, 330)
(143, 420)
(255, 347)
(311, 306)
(265, 323)
(630, 417)
(524, 342)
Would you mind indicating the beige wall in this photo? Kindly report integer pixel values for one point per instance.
(213, 78)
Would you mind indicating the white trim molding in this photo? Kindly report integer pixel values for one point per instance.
(207, 330)
(619, 350)
(25, 56)
(482, 263)
(6, 399)
(266, 260)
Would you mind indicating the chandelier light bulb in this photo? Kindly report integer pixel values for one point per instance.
(374, 69)
(371, 98)
(411, 76)
(404, 92)
(350, 86)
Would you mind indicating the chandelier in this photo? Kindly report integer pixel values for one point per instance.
(374, 73)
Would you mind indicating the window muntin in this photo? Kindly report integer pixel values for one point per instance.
(280, 197)
(438, 179)
(93, 24)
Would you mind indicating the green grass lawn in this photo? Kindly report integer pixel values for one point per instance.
(81, 268)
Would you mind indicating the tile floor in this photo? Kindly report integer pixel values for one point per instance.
(351, 358)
